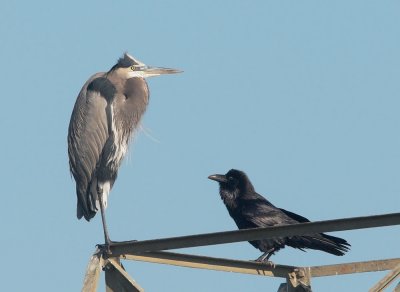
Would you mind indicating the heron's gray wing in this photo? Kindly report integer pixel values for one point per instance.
(87, 135)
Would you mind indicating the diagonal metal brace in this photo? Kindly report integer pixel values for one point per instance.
(300, 280)
(117, 279)
(93, 272)
(387, 280)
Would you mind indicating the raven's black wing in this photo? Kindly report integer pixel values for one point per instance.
(295, 216)
(259, 212)
(256, 211)
(321, 241)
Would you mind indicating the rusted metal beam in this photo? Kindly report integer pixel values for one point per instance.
(357, 267)
(297, 281)
(387, 280)
(261, 269)
(255, 234)
(117, 280)
(211, 263)
(93, 272)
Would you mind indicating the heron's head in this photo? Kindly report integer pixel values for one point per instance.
(130, 67)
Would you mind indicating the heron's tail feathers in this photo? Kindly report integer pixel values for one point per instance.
(86, 206)
(84, 212)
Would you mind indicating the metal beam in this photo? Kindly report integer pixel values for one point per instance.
(397, 289)
(93, 272)
(357, 267)
(255, 268)
(255, 234)
(387, 280)
(211, 263)
(117, 280)
(298, 281)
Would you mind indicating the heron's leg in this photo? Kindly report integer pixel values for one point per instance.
(103, 218)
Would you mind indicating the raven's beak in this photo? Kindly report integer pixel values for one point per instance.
(219, 178)
(155, 71)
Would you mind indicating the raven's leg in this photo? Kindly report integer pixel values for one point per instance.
(103, 219)
(264, 258)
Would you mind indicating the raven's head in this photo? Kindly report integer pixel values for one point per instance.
(232, 185)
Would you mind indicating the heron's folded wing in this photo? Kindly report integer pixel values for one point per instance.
(87, 135)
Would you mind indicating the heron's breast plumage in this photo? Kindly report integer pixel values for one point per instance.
(127, 110)
(120, 141)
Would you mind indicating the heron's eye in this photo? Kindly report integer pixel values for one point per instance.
(133, 68)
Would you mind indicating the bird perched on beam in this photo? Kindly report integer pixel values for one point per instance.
(250, 210)
(107, 111)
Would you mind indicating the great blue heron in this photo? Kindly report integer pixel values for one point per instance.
(107, 111)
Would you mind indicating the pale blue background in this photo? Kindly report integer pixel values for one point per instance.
(302, 95)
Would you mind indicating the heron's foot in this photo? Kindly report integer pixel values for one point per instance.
(127, 242)
(105, 248)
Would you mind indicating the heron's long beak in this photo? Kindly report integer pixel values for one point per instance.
(219, 178)
(155, 71)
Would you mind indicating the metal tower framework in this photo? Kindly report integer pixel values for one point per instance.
(297, 278)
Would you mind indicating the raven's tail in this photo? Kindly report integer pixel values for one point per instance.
(330, 244)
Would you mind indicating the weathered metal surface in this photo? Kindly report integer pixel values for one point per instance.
(149, 250)
(299, 280)
(357, 267)
(211, 263)
(261, 269)
(387, 280)
(255, 234)
(92, 273)
(118, 280)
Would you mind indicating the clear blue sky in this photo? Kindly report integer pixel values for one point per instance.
(303, 96)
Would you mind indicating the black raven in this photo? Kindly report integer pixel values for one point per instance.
(251, 210)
